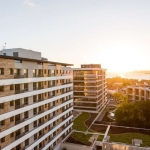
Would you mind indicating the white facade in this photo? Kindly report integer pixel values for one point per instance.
(36, 102)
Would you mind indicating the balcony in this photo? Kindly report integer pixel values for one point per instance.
(40, 87)
(41, 135)
(40, 75)
(41, 123)
(19, 121)
(19, 106)
(40, 148)
(19, 136)
(19, 91)
(16, 76)
(40, 112)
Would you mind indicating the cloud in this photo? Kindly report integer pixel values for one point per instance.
(29, 3)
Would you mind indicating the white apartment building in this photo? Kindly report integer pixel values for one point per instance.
(36, 101)
(90, 92)
(136, 93)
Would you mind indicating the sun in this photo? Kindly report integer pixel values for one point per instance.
(122, 60)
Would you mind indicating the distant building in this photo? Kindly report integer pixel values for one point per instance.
(136, 93)
(90, 92)
(36, 101)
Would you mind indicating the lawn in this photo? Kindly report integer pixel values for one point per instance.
(100, 137)
(82, 137)
(127, 138)
(79, 122)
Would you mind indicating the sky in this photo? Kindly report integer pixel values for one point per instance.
(113, 33)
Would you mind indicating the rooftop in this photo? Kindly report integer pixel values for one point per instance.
(27, 55)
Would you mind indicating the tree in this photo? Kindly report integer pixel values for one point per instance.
(135, 114)
(119, 97)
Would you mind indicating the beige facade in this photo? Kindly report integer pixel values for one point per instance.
(36, 102)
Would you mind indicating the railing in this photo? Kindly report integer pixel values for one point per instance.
(19, 136)
(19, 121)
(40, 148)
(20, 76)
(41, 123)
(19, 106)
(40, 111)
(19, 91)
(40, 75)
(41, 135)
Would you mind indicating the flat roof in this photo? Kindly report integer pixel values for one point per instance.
(34, 60)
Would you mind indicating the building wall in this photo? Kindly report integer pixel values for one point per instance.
(49, 116)
(117, 146)
(23, 53)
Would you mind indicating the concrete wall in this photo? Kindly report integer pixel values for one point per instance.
(117, 146)
(71, 146)
(23, 53)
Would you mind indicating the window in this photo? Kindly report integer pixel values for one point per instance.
(25, 86)
(35, 111)
(11, 103)
(44, 71)
(11, 119)
(2, 122)
(11, 71)
(35, 148)
(35, 124)
(1, 105)
(26, 100)
(1, 88)
(17, 61)
(57, 71)
(39, 63)
(45, 105)
(25, 114)
(26, 128)
(12, 134)
(1, 71)
(11, 87)
(35, 136)
(45, 82)
(26, 142)
(15, 54)
(3, 140)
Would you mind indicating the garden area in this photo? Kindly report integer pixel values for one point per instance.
(81, 123)
(127, 138)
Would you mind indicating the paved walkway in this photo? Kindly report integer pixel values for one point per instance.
(106, 133)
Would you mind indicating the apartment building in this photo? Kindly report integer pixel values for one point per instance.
(90, 93)
(36, 101)
(136, 93)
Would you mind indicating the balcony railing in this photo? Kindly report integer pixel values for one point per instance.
(19, 136)
(19, 121)
(20, 76)
(19, 106)
(40, 111)
(41, 123)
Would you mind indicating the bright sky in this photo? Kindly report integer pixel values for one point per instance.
(114, 33)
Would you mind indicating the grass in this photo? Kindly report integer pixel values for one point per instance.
(79, 122)
(127, 138)
(82, 137)
(100, 137)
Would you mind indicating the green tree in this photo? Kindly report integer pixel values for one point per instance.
(135, 114)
